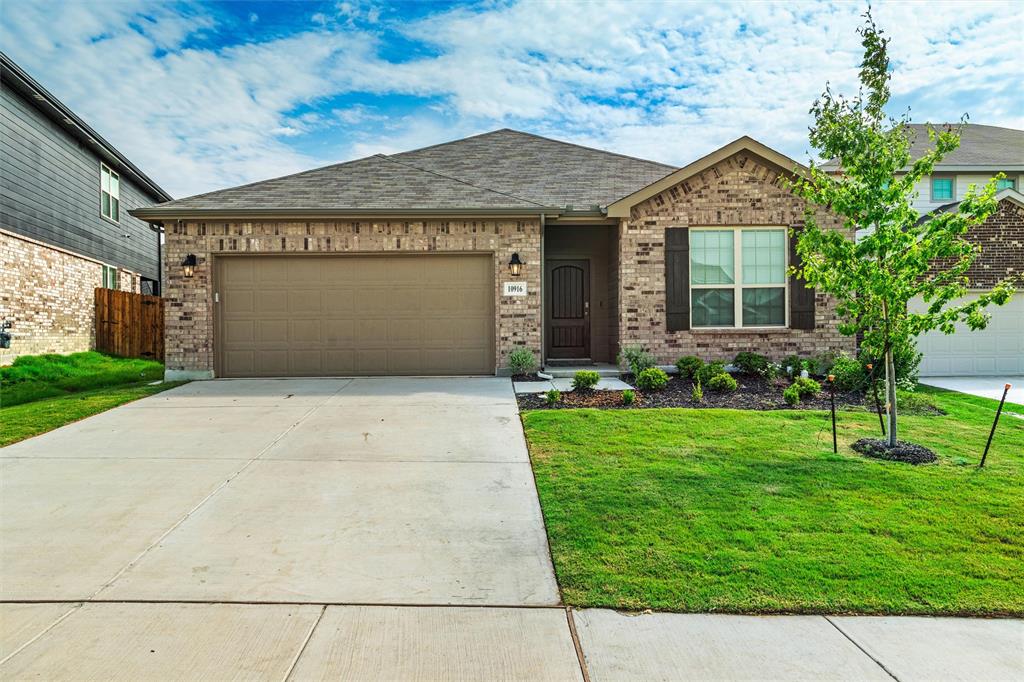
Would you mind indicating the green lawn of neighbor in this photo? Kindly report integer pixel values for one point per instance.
(742, 511)
(41, 392)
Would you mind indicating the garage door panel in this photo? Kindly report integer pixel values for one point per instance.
(996, 350)
(272, 363)
(268, 333)
(267, 301)
(350, 315)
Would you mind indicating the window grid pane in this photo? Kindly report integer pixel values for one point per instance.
(942, 188)
(115, 186)
(713, 307)
(764, 256)
(764, 307)
(711, 257)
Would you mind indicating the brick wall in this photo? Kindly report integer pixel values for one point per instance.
(47, 295)
(189, 319)
(1001, 238)
(741, 190)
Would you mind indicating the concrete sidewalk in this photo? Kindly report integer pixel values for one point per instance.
(985, 387)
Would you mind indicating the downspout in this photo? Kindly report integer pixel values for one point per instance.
(159, 261)
(543, 304)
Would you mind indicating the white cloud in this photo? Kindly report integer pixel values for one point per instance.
(658, 80)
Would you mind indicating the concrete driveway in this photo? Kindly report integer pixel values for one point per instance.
(985, 387)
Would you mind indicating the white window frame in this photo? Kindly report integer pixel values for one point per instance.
(737, 284)
(104, 168)
(110, 271)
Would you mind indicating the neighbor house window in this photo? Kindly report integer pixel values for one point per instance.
(1005, 183)
(942, 189)
(109, 277)
(110, 193)
(738, 277)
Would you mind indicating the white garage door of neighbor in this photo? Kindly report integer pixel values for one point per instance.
(997, 350)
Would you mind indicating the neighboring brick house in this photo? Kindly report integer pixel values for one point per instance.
(443, 260)
(65, 229)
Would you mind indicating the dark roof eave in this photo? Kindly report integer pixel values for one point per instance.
(157, 214)
(29, 88)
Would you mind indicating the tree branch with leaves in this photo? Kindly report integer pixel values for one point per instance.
(900, 257)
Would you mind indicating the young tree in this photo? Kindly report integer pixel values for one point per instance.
(900, 258)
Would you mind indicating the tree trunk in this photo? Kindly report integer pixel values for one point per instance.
(890, 394)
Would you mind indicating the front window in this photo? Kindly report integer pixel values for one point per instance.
(1005, 183)
(942, 189)
(110, 193)
(738, 277)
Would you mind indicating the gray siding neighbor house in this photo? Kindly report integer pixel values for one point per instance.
(65, 226)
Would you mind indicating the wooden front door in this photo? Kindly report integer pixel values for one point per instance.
(568, 309)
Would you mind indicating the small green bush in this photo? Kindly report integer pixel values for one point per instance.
(688, 366)
(585, 379)
(753, 364)
(722, 382)
(849, 373)
(628, 397)
(709, 370)
(521, 361)
(806, 387)
(636, 358)
(552, 396)
(792, 366)
(822, 363)
(791, 395)
(652, 379)
(697, 394)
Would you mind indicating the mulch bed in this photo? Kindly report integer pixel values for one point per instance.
(754, 393)
(910, 453)
(527, 378)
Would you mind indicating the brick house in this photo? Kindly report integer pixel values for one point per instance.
(443, 260)
(65, 227)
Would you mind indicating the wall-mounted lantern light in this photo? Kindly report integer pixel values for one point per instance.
(189, 265)
(515, 266)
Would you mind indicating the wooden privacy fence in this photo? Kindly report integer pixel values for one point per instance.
(129, 325)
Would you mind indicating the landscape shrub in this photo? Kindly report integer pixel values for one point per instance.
(697, 394)
(849, 373)
(689, 365)
(722, 382)
(753, 364)
(822, 364)
(585, 379)
(709, 370)
(628, 397)
(636, 358)
(652, 379)
(791, 395)
(806, 387)
(792, 366)
(907, 362)
(552, 396)
(521, 361)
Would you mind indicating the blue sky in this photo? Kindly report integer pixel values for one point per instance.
(203, 95)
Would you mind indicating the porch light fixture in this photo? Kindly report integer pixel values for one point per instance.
(515, 266)
(189, 265)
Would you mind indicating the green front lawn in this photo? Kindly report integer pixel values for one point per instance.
(737, 511)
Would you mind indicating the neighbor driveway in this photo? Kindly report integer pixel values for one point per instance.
(985, 387)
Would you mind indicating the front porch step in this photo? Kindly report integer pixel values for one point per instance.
(568, 371)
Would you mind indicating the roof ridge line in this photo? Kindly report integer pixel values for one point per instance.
(279, 177)
(464, 182)
(590, 149)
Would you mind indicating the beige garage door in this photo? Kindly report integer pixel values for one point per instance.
(355, 315)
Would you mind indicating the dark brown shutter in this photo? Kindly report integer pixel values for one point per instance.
(801, 297)
(677, 278)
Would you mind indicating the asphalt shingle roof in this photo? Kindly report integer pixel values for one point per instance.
(497, 170)
(540, 169)
(987, 147)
